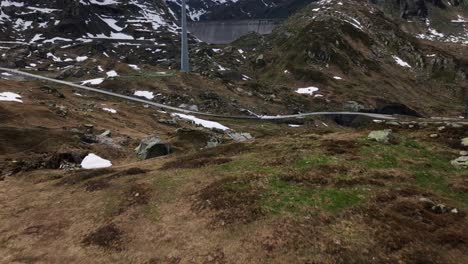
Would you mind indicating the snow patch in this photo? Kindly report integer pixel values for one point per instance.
(111, 74)
(146, 94)
(110, 110)
(202, 122)
(135, 67)
(93, 161)
(309, 90)
(10, 97)
(401, 62)
(81, 58)
(96, 81)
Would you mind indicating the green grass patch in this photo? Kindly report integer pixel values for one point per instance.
(247, 164)
(437, 181)
(432, 169)
(388, 156)
(335, 200)
(313, 161)
(286, 197)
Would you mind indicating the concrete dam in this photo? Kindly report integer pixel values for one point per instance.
(226, 31)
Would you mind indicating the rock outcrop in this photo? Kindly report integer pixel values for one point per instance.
(151, 148)
(382, 136)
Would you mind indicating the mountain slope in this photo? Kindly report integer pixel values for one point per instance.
(50, 21)
(441, 20)
(239, 9)
(354, 51)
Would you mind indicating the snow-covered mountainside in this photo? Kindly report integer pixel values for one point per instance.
(44, 21)
(239, 9)
(440, 20)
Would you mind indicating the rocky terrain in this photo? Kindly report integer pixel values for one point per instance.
(202, 10)
(90, 177)
(356, 50)
(65, 21)
(372, 46)
(168, 191)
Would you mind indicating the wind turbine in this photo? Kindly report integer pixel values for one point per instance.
(184, 58)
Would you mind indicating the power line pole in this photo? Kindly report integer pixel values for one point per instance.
(184, 59)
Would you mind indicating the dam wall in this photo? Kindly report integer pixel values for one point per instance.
(224, 32)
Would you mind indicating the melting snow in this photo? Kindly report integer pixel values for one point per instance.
(309, 90)
(93, 81)
(10, 97)
(112, 74)
(146, 94)
(459, 19)
(93, 161)
(113, 111)
(401, 62)
(202, 122)
(81, 59)
(133, 66)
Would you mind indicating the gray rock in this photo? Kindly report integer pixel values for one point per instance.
(442, 128)
(193, 108)
(383, 136)
(229, 49)
(434, 135)
(393, 123)
(170, 122)
(198, 138)
(104, 140)
(437, 208)
(461, 162)
(463, 153)
(213, 142)
(106, 133)
(353, 106)
(455, 125)
(239, 137)
(441, 209)
(152, 148)
(260, 61)
(427, 202)
(464, 142)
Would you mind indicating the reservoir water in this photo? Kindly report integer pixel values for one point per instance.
(223, 32)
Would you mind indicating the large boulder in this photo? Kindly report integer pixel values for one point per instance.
(461, 162)
(151, 148)
(239, 137)
(353, 106)
(383, 136)
(464, 142)
(196, 138)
